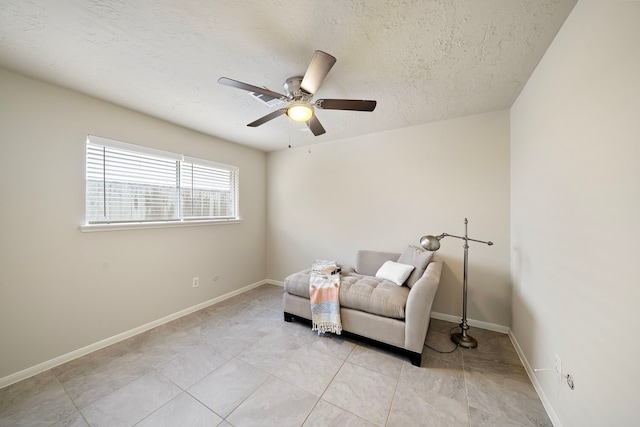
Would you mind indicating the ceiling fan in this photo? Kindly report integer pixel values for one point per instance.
(299, 92)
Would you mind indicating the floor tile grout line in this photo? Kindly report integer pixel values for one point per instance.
(466, 393)
(320, 398)
(161, 406)
(70, 399)
(393, 398)
(367, 368)
(466, 387)
(465, 371)
(325, 389)
(186, 390)
(269, 376)
(204, 404)
(108, 394)
(252, 392)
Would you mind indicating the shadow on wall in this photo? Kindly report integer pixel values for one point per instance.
(448, 299)
(489, 290)
(487, 287)
(523, 323)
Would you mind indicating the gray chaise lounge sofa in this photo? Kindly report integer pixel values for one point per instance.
(376, 309)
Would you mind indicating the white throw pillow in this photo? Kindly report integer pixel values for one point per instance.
(395, 272)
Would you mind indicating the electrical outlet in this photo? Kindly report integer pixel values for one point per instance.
(557, 364)
(196, 282)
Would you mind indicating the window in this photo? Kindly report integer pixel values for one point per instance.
(132, 184)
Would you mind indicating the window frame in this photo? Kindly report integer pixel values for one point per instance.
(181, 220)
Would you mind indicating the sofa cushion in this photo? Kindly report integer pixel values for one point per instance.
(373, 295)
(395, 272)
(417, 257)
(298, 284)
(359, 292)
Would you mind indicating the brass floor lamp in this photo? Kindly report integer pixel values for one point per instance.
(432, 243)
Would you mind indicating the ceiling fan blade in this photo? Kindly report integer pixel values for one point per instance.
(268, 117)
(319, 67)
(251, 88)
(346, 104)
(315, 126)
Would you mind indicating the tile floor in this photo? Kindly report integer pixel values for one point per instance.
(237, 363)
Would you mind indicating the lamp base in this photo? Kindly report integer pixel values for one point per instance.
(464, 340)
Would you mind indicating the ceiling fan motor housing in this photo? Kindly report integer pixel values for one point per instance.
(293, 89)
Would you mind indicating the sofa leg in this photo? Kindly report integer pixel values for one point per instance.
(288, 317)
(415, 358)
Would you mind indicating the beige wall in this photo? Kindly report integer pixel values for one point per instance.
(554, 182)
(384, 191)
(61, 289)
(575, 206)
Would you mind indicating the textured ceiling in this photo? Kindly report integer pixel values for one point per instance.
(422, 60)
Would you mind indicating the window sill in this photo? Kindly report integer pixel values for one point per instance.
(89, 228)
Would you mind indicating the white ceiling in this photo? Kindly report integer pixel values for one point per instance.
(422, 60)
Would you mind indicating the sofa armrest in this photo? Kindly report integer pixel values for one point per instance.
(369, 262)
(419, 302)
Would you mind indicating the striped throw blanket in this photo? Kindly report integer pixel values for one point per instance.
(324, 292)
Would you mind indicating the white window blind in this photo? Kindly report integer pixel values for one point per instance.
(207, 190)
(130, 183)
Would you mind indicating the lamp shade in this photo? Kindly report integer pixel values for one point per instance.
(430, 243)
(300, 112)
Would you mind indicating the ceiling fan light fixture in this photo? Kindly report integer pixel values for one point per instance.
(299, 92)
(300, 112)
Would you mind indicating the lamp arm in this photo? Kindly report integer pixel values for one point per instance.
(463, 238)
(488, 242)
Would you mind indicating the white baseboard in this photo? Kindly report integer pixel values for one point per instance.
(536, 384)
(275, 282)
(34, 370)
(476, 323)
